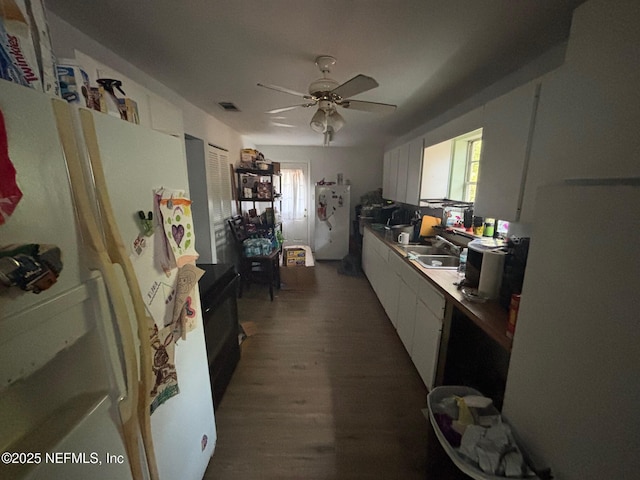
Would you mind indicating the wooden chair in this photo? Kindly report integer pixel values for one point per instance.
(263, 269)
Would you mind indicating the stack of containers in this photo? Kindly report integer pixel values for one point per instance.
(255, 247)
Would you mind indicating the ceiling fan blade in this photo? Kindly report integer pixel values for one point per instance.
(369, 106)
(285, 90)
(358, 84)
(291, 107)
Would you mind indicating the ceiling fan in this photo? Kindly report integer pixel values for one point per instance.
(328, 94)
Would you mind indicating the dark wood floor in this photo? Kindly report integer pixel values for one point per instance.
(324, 390)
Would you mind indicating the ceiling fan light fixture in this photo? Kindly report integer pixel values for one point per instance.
(335, 121)
(318, 121)
(327, 95)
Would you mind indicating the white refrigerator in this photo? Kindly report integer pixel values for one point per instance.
(332, 221)
(69, 356)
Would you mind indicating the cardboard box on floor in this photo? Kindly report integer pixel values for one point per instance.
(295, 274)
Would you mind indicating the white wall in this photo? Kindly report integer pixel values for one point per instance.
(362, 166)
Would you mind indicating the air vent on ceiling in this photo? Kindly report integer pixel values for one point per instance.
(228, 106)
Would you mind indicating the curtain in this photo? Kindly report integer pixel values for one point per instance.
(294, 194)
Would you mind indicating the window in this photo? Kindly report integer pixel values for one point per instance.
(474, 148)
(294, 194)
(465, 162)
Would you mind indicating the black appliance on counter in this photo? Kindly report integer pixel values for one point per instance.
(514, 268)
(218, 294)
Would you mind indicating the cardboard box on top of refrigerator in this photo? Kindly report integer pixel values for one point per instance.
(73, 81)
(129, 110)
(43, 48)
(18, 59)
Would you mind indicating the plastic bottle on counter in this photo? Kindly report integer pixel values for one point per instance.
(462, 267)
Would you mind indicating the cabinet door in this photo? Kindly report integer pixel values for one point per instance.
(392, 297)
(506, 142)
(367, 252)
(403, 168)
(390, 174)
(436, 168)
(431, 297)
(414, 172)
(396, 265)
(376, 268)
(407, 301)
(406, 315)
(426, 343)
(379, 269)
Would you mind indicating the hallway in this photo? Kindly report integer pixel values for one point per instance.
(324, 390)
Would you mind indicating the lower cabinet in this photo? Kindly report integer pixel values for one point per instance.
(414, 306)
(426, 343)
(375, 260)
(407, 303)
(406, 316)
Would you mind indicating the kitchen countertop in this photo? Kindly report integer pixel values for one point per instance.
(488, 316)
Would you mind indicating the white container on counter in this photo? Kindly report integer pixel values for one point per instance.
(491, 273)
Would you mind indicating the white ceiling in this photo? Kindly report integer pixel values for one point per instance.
(427, 55)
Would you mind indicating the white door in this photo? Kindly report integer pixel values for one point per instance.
(295, 203)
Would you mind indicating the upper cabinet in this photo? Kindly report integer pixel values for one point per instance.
(403, 169)
(401, 173)
(506, 144)
(436, 167)
(390, 174)
(414, 173)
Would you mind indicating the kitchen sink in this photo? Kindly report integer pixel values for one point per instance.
(446, 262)
(420, 249)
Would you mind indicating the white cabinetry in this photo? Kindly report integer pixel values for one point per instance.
(414, 306)
(407, 303)
(414, 173)
(403, 168)
(427, 332)
(436, 167)
(390, 174)
(375, 259)
(367, 253)
(506, 144)
(394, 276)
(402, 171)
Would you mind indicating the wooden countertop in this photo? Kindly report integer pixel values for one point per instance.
(489, 316)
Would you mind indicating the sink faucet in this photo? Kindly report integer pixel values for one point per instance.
(392, 219)
(442, 242)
